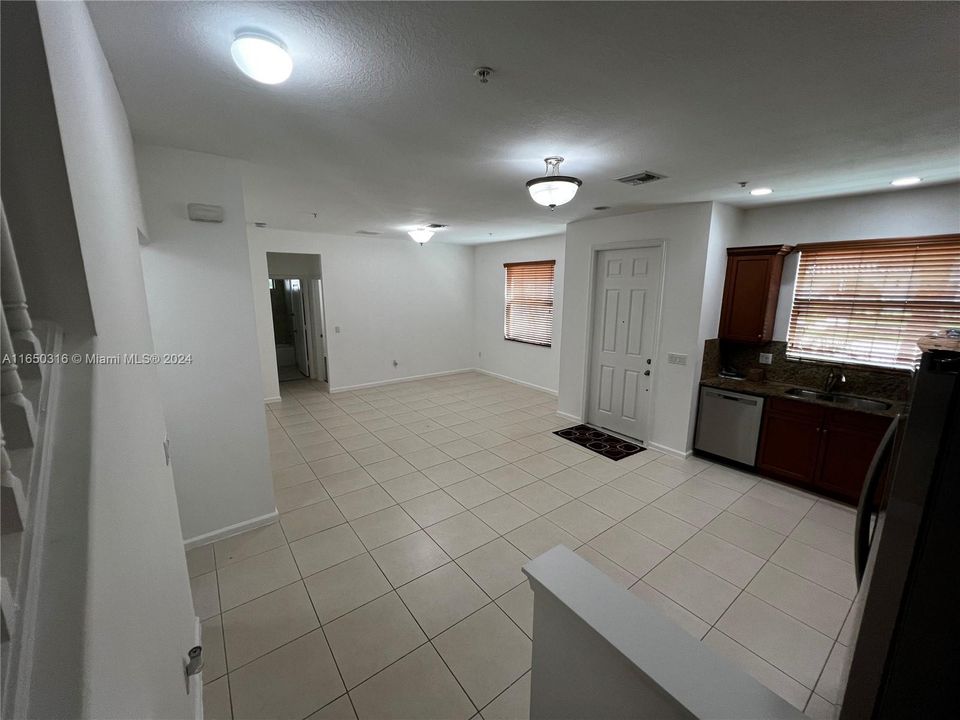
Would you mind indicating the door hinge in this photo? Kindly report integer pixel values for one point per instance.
(194, 665)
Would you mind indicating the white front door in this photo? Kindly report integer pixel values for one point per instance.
(626, 310)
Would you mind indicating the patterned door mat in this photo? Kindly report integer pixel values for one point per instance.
(600, 442)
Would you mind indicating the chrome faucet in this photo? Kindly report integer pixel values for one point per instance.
(834, 378)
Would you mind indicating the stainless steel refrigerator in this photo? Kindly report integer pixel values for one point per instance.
(905, 661)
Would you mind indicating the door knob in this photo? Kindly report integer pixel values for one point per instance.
(646, 372)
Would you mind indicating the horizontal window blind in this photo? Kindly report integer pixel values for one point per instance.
(868, 302)
(528, 302)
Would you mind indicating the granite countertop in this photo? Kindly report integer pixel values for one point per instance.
(775, 389)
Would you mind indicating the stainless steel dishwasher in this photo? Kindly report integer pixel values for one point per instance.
(728, 424)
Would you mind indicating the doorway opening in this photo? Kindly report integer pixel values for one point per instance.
(296, 301)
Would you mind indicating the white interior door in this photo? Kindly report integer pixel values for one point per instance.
(299, 321)
(319, 331)
(626, 311)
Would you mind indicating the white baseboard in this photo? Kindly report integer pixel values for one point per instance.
(274, 399)
(409, 378)
(568, 416)
(517, 382)
(682, 454)
(230, 530)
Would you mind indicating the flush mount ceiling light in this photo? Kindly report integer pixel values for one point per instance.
(904, 181)
(761, 191)
(421, 235)
(553, 188)
(261, 58)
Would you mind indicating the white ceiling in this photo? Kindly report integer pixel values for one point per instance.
(383, 127)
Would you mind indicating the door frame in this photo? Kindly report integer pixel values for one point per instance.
(318, 330)
(595, 250)
(314, 324)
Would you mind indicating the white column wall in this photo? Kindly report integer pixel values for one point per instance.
(200, 299)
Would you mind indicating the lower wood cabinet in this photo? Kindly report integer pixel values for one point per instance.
(819, 448)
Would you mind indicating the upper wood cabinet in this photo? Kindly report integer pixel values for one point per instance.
(750, 292)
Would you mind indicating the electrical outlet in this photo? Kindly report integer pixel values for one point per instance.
(395, 363)
(336, 330)
(766, 358)
(676, 359)
(479, 354)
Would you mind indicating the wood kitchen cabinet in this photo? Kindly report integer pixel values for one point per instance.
(790, 440)
(750, 292)
(824, 449)
(848, 442)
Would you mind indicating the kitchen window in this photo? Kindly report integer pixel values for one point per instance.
(868, 302)
(528, 302)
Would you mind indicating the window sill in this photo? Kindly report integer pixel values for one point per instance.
(528, 342)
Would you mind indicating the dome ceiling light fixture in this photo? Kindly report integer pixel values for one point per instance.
(905, 181)
(553, 188)
(759, 191)
(262, 58)
(421, 235)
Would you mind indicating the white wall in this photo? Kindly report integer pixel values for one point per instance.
(392, 300)
(684, 230)
(529, 364)
(902, 213)
(138, 622)
(199, 292)
(725, 230)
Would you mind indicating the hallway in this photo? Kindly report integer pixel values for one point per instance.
(407, 512)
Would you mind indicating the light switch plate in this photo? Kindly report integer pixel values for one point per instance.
(766, 358)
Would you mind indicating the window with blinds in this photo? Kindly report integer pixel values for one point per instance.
(528, 302)
(869, 302)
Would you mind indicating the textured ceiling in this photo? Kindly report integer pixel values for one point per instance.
(382, 126)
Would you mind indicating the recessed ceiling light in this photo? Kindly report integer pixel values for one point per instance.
(261, 58)
(761, 191)
(901, 182)
(421, 235)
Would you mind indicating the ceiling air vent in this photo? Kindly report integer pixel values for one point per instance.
(367, 232)
(641, 178)
(435, 226)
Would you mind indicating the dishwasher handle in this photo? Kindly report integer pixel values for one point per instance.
(733, 398)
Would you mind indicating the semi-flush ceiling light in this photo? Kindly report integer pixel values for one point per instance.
(901, 182)
(421, 235)
(553, 188)
(761, 191)
(261, 58)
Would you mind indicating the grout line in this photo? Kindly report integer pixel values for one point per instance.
(426, 635)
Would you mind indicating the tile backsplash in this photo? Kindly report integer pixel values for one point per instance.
(888, 384)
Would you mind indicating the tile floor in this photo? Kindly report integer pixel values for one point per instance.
(391, 586)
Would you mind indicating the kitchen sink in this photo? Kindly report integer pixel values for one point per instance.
(850, 401)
